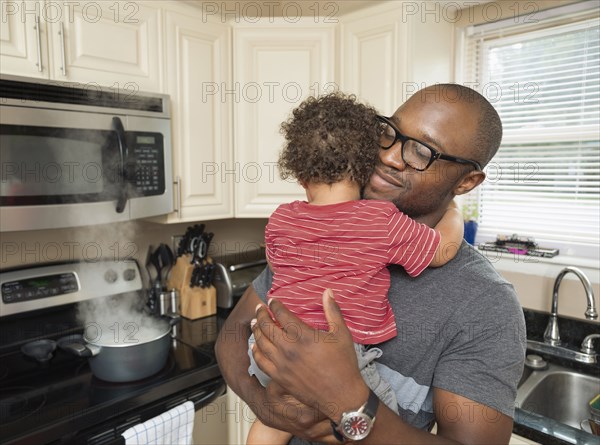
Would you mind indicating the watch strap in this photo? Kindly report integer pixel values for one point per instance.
(370, 408)
(336, 433)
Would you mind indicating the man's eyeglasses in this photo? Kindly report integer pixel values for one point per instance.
(416, 154)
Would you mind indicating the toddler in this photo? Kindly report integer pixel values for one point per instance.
(334, 240)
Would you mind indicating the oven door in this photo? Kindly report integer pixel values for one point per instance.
(109, 432)
(64, 168)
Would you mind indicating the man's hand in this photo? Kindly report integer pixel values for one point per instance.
(318, 367)
(273, 406)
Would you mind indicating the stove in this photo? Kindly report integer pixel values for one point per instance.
(59, 401)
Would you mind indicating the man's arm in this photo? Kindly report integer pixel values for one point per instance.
(232, 346)
(319, 368)
(271, 404)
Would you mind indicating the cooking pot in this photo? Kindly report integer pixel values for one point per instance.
(124, 361)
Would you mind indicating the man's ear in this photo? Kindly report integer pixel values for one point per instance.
(469, 182)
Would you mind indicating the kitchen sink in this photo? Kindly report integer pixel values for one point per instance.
(558, 393)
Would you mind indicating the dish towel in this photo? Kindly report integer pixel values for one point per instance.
(173, 427)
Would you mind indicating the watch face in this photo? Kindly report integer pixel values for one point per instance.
(356, 426)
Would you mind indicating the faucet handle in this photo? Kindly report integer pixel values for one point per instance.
(587, 346)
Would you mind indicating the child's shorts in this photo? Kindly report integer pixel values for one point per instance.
(366, 363)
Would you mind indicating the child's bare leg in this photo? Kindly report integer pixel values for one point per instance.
(260, 434)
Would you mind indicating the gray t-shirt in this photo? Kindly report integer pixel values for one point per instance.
(460, 328)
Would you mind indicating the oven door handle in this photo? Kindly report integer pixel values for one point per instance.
(123, 195)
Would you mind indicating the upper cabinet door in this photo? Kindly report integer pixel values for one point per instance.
(114, 44)
(199, 65)
(391, 50)
(23, 42)
(373, 57)
(276, 67)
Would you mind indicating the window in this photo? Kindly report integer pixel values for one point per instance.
(544, 81)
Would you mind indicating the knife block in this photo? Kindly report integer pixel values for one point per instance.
(195, 302)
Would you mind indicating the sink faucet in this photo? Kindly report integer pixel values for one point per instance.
(586, 346)
(551, 334)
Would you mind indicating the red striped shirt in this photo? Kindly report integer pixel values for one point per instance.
(345, 247)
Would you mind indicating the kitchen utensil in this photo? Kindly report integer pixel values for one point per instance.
(39, 350)
(202, 268)
(168, 302)
(184, 243)
(162, 260)
(158, 263)
(128, 360)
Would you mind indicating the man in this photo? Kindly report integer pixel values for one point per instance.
(461, 336)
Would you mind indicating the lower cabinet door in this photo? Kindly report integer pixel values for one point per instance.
(227, 420)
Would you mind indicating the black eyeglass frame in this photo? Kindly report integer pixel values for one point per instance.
(435, 154)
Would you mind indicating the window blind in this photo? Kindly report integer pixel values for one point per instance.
(544, 81)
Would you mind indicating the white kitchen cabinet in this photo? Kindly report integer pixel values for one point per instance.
(210, 423)
(114, 45)
(240, 418)
(198, 65)
(23, 41)
(277, 65)
(391, 50)
(227, 420)
(373, 65)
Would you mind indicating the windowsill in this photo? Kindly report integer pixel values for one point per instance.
(544, 267)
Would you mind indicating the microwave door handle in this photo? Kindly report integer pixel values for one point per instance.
(117, 126)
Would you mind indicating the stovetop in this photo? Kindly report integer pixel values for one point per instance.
(60, 400)
(41, 402)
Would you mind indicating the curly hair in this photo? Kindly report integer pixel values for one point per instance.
(330, 138)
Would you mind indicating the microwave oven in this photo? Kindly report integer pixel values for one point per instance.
(72, 155)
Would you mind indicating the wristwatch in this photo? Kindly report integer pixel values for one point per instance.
(356, 425)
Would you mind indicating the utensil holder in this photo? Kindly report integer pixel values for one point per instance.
(194, 302)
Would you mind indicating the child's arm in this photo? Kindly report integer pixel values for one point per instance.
(451, 228)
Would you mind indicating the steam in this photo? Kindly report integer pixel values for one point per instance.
(116, 320)
(119, 320)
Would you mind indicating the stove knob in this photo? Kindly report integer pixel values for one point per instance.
(129, 274)
(111, 276)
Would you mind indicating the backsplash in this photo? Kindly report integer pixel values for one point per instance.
(121, 240)
(534, 287)
(572, 331)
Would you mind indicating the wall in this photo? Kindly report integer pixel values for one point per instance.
(534, 278)
(117, 241)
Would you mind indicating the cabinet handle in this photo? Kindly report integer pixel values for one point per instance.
(177, 183)
(38, 34)
(61, 33)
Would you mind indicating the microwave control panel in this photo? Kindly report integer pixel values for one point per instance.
(147, 152)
